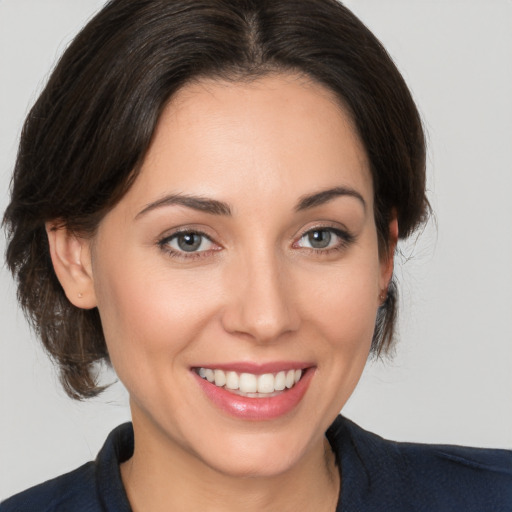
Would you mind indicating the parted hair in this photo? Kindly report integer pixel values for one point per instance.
(84, 139)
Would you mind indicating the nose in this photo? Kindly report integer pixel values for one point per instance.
(260, 301)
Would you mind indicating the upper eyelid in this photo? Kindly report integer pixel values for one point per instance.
(337, 229)
(325, 228)
(183, 230)
(167, 242)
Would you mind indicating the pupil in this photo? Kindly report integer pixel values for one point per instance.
(189, 242)
(320, 239)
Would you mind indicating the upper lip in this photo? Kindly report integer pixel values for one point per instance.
(257, 368)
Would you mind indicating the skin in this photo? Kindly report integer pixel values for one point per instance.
(256, 291)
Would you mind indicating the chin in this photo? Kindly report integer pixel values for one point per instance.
(262, 461)
(260, 454)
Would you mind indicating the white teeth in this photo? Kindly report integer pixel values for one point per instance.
(220, 378)
(290, 378)
(232, 380)
(264, 384)
(280, 381)
(248, 383)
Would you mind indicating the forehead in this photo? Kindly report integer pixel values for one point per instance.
(276, 134)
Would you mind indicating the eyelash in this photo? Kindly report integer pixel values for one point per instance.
(345, 240)
(184, 255)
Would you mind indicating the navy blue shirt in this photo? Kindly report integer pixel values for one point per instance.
(377, 476)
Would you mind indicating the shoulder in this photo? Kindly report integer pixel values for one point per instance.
(76, 489)
(90, 488)
(457, 476)
(425, 477)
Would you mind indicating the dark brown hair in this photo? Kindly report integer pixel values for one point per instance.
(87, 134)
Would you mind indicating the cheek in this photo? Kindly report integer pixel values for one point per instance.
(338, 317)
(345, 322)
(344, 304)
(148, 311)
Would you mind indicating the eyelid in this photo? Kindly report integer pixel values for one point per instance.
(187, 228)
(335, 227)
(345, 236)
(163, 243)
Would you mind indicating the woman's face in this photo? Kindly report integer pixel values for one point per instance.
(245, 250)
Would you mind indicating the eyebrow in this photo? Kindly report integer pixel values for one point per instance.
(202, 204)
(215, 207)
(320, 198)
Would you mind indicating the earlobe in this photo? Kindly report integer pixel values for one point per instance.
(71, 258)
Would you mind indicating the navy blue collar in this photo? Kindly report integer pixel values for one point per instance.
(117, 449)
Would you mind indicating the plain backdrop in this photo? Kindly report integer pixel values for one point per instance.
(451, 378)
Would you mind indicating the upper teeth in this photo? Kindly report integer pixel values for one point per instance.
(251, 383)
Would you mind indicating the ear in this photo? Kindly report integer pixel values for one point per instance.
(387, 258)
(71, 258)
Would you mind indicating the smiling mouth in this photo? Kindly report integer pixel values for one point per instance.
(251, 385)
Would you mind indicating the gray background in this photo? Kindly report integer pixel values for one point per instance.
(451, 380)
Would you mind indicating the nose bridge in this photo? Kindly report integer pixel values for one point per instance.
(261, 301)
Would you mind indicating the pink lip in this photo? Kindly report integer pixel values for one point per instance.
(257, 409)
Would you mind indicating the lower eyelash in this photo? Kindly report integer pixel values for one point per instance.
(184, 256)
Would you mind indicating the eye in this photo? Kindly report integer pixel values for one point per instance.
(187, 242)
(324, 239)
(318, 239)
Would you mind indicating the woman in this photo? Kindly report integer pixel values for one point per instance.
(209, 196)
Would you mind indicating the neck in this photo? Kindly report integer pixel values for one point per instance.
(162, 476)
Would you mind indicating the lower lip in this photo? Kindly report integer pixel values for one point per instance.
(257, 409)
